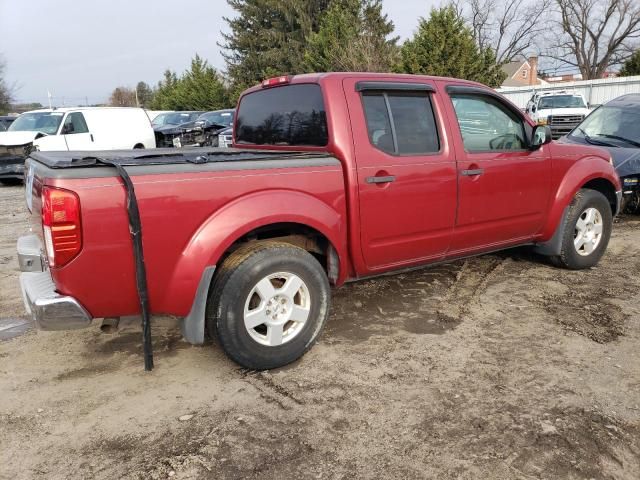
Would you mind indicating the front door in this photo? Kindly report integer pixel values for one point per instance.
(76, 132)
(503, 185)
(406, 173)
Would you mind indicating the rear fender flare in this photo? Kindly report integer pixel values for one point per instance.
(239, 217)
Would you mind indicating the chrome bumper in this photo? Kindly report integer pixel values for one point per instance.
(49, 309)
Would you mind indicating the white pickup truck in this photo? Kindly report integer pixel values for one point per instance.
(63, 129)
(562, 110)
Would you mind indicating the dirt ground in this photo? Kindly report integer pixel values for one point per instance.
(496, 367)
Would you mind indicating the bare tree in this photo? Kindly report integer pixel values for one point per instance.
(123, 97)
(5, 91)
(512, 28)
(596, 34)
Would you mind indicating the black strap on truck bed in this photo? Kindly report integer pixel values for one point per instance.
(135, 227)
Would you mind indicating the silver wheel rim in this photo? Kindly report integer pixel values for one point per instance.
(588, 232)
(277, 309)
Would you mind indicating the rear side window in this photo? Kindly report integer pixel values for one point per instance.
(288, 115)
(401, 123)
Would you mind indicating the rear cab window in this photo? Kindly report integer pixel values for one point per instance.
(289, 115)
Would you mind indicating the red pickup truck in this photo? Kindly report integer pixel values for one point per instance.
(335, 177)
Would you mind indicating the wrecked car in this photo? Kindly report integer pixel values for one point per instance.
(168, 126)
(615, 126)
(203, 132)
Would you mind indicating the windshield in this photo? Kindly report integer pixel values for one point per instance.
(561, 101)
(174, 118)
(612, 123)
(221, 118)
(45, 122)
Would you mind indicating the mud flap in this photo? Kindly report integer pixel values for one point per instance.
(554, 245)
(193, 324)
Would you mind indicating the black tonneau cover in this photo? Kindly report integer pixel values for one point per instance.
(163, 156)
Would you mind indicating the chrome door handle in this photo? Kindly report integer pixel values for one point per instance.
(385, 179)
(473, 173)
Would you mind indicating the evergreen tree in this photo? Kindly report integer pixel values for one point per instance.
(165, 92)
(353, 36)
(199, 88)
(632, 65)
(444, 46)
(268, 38)
(145, 94)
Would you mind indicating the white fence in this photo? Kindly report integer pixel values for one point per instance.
(596, 92)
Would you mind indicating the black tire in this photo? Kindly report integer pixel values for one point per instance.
(234, 282)
(569, 257)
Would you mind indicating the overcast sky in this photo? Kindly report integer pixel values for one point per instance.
(85, 48)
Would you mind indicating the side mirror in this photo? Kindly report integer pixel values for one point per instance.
(541, 136)
(67, 128)
(533, 108)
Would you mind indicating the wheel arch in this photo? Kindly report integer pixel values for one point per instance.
(301, 220)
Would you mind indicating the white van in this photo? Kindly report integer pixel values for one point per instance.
(83, 128)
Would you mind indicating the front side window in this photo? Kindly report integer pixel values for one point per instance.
(488, 125)
(401, 123)
(291, 115)
(74, 123)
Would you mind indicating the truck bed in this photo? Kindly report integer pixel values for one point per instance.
(186, 209)
(86, 164)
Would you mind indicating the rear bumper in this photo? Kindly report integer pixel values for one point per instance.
(49, 309)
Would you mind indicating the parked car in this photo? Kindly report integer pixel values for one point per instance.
(225, 138)
(560, 110)
(5, 121)
(63, 129)
(615, 126)
(340, 176)
(167, 126)
(203, 132)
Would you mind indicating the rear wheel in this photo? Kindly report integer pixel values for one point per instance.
(268, 305)
(586, 232)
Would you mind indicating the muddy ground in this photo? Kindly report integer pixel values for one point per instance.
(496, 367)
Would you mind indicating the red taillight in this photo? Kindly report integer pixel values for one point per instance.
(272, 82)
(61, 224)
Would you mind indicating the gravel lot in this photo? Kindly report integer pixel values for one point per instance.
(496, 367)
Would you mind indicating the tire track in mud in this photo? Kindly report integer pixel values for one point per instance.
(270, 390)
(471, 281)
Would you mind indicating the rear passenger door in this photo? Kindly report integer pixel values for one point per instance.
(76, 132)
(406, 172)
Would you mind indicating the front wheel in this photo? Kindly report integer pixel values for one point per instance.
(268, 304)
(586, 231)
